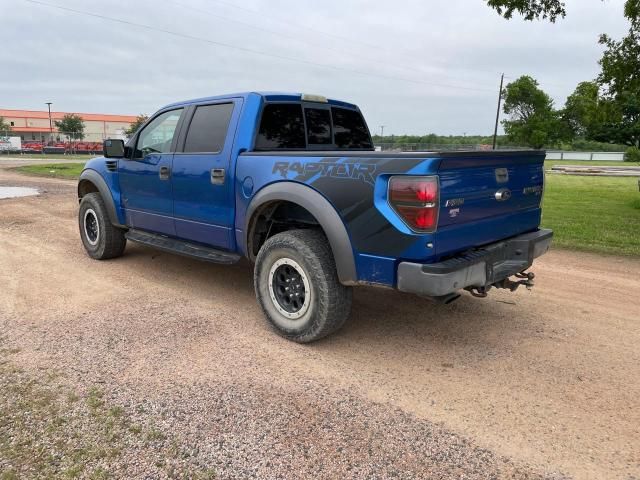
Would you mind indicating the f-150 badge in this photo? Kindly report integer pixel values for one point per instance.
(454, 202)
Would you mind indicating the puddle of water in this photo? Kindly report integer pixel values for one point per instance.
(13, 192)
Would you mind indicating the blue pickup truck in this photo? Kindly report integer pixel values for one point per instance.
(292, 183)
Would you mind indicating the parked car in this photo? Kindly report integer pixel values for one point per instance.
(292, 182)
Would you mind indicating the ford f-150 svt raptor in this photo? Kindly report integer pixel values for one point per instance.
(292, 182)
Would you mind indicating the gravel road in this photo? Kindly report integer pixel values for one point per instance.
(542, 384)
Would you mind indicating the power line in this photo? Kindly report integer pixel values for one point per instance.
(306, 26)
(407, 53)
(272, 32)
(250, 50)
(295, 37)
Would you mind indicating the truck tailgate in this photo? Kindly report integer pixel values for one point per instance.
(488, 197)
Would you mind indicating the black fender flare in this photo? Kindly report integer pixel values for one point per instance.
(324, 213)
(96, 179)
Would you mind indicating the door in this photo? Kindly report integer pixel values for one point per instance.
(203, 202)
(145, 179)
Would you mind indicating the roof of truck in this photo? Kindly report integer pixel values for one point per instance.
(268, 96)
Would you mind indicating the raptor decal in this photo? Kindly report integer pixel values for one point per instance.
(355, 171)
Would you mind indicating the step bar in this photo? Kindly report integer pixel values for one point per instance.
(182, 247)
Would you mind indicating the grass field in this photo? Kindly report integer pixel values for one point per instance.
(598, 214)
(59, 170)
(48, 430)
(550, 163)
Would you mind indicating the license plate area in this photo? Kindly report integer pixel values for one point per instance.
(507, 258)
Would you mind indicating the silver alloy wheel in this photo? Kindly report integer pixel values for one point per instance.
(289, 288)
(91, 227)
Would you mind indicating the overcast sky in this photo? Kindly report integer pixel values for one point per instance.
(414, 66)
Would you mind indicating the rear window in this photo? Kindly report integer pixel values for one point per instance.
(208, 128)
(349, 129)
(318, 126)
(282, 126)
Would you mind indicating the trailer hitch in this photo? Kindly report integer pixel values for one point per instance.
(526, 280)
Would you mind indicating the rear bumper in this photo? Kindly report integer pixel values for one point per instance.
(479, 268)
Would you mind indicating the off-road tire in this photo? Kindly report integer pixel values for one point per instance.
(109, 241)
(329, 304)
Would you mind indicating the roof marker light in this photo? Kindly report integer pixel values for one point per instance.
(305, 97)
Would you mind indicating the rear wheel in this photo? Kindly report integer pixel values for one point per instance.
(297, 285)
(100, 238)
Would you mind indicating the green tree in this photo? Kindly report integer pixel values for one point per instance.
(544, 9)
(133, 128)
(621, 60)
(532, 118)
(71, 125)
(581, 109)
(529, 9)
(4, 126)
(620, 78)
(589, 115)
(632, 155)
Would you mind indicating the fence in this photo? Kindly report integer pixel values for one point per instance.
(551, 154)
(592, 156)
(434, 147)
(92, 144)
(53, 143)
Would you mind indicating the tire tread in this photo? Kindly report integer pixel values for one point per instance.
(113, 242)
(333, 297)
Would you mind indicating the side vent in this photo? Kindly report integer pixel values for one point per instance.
(112, 165)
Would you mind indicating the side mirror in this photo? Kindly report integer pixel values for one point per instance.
(113, 148)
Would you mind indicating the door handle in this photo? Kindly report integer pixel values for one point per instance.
(164, 173)
(217, 176)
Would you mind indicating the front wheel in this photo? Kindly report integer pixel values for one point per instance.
(297, 285)
(100, 238)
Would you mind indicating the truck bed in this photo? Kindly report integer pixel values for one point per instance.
(356, 183)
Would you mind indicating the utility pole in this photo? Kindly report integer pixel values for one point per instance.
(495, 131)
(50, 123)
(381, 131)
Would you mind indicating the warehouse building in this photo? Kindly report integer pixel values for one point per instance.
(31, 125)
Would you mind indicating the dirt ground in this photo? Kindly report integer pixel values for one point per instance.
(526, 385)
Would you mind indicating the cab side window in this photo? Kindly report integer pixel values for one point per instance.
(208, 128)
(157, 136)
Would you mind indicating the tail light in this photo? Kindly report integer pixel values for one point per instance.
(415, 199)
